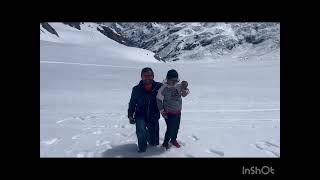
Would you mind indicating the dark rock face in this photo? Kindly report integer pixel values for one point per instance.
(114, 36)
(49, 28)
(190, 46)
(205, 42)
(173, 30)
(144, 45)
(74, 24)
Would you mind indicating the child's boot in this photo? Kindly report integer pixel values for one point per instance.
(175, 143)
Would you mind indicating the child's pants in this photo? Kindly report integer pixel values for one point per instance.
(173, 123)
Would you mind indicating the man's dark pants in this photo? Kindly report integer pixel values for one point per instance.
(147, 132)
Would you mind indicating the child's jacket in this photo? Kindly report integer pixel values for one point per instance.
(169, 99)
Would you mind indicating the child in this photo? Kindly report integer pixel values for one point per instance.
(169, 102)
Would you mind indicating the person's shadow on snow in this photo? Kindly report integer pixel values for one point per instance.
(130, 150)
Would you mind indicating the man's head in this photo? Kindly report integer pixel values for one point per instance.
(147, 75)
(172, 77)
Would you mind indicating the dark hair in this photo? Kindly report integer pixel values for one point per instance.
(146, 69)
(172, 74)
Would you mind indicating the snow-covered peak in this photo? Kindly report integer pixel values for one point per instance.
(174, 41)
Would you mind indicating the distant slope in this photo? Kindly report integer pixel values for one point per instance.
(90, 36)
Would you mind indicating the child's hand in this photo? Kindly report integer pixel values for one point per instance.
(164, 115)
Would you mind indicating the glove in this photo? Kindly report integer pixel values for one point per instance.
(185, 92)
(184, 89)
(131, 120)
(184, 84)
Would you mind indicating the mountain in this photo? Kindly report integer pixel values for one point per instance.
(190, 41)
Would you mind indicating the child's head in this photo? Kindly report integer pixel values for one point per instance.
(172, 77)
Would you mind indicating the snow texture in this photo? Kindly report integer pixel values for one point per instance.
(233, 109)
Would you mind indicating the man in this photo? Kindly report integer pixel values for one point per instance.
(143, 110)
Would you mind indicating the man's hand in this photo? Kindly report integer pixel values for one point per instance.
(164, 114)
(131, 120)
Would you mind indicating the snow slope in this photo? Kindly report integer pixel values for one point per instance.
(85, 84)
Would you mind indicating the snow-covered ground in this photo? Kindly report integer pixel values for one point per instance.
(233, 109)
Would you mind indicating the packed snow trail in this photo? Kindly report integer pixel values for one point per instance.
(81, 64)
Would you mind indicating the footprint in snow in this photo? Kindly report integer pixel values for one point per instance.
(193, 137)
(76, 136)
(271, 144)
(188, 155)
(268, 147)
(122, 134)
(85, 154)
(101, 143)
(219, 153)
(97, 132)
(51, 141)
